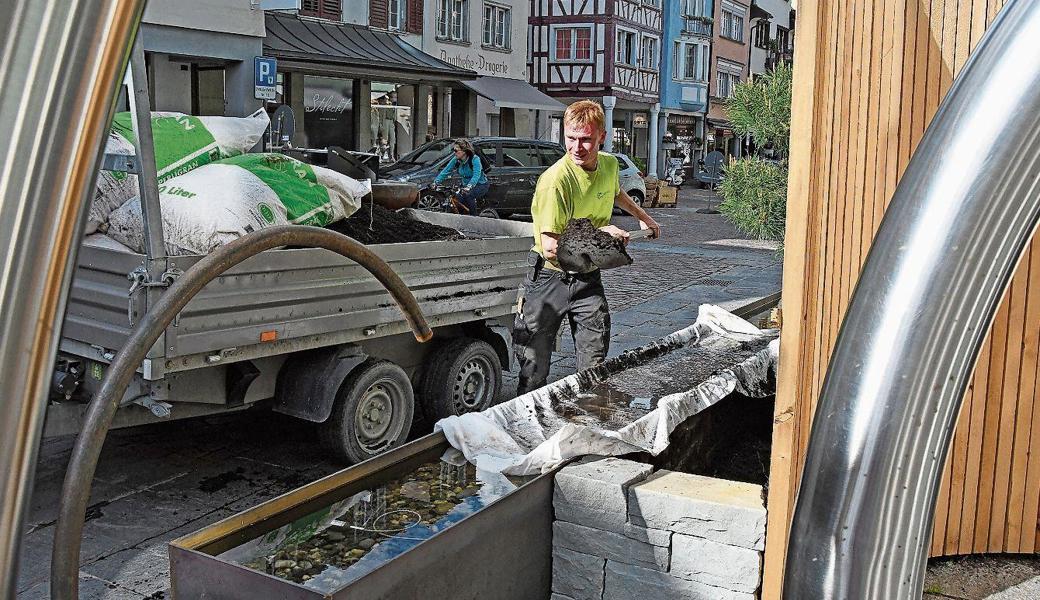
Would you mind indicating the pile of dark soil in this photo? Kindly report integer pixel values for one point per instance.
(583, 247)
(373, 224)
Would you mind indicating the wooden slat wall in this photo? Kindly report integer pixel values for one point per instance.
(869, 76)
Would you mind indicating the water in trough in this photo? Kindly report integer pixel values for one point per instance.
(332, 547)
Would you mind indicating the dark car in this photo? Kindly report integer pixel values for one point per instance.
(514, 165)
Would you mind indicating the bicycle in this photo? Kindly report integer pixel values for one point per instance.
(442, 198)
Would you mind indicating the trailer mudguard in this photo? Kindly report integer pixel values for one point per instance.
(309, 381)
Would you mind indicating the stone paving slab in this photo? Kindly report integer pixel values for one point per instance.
(1027, 590)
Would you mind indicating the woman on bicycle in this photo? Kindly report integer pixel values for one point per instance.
(475, 183)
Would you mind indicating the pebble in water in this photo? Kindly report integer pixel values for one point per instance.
(414, 503)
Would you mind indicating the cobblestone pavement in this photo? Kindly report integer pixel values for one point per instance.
(160, 482)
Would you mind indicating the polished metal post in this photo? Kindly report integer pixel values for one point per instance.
(60, 62)
(944, 254)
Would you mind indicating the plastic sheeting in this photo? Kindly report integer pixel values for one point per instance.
(601, 410)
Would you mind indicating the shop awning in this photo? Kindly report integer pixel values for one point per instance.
(318, 45)
(513, 93)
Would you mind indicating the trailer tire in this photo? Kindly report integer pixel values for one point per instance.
(372, 413)
(464, 376)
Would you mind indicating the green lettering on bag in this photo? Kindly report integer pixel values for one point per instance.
(305, 200)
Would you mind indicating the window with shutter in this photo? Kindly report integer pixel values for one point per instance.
(323, 9)
(332, 9)
(414, 22)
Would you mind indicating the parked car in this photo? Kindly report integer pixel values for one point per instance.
(514, 165)
(631, 179)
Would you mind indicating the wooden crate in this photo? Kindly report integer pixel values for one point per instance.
(666, 196)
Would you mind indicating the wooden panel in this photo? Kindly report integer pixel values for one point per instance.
(869, 77)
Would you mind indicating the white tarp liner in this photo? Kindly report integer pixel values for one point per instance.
(522, 436)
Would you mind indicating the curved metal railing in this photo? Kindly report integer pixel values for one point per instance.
(962, 215)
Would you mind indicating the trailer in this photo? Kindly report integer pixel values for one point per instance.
(307, 332)
(302, 331)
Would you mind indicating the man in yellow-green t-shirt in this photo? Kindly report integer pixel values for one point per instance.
(582, 184)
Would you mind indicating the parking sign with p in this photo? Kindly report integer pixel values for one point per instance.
(264, 77)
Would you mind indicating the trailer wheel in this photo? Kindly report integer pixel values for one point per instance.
(372, 413)
(464, 376)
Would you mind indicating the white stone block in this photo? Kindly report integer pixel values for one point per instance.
(614, 522)
(610, 545)
(627, 582)
(590, 517)
(556, 596)
(727, 512)
(728, 567)
(577, 576)
(601, 484)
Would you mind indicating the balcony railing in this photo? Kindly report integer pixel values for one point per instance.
(697, 27)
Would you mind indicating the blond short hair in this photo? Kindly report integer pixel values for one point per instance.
(585, 112)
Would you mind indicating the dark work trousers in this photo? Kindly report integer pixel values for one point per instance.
(546, 298)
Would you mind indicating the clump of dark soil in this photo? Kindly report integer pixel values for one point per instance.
(373, 224)
(583, 247)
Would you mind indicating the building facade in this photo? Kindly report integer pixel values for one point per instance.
(606, 50)
(772, 35)
(685, 68)
(355, 75)
(200, 55)
(729, 66)
(488, 37)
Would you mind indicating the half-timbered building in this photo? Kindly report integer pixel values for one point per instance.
(607, 50)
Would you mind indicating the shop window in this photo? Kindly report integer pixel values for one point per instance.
(328, 111)
(496, 30)
(323, 9)
(390, 120)
(572, 44)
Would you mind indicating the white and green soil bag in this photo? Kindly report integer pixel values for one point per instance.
(182, 143)
(222, 201)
